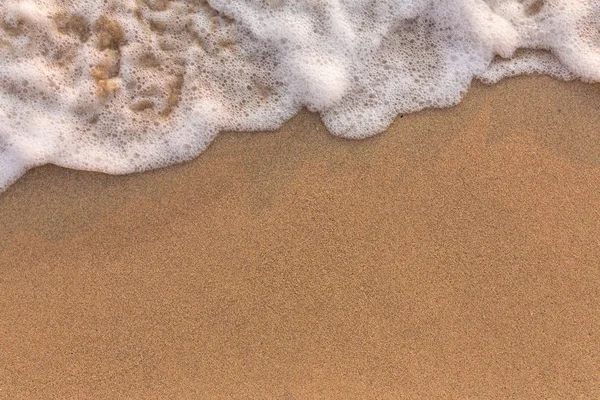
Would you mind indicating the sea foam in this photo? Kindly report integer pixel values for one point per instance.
(128, 85)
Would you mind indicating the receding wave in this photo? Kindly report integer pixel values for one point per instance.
(128, 85)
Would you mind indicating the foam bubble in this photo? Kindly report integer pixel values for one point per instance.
(129, 85)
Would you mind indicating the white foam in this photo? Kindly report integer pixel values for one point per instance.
(128, 85)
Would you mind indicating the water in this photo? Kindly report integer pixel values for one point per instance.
(128, 85)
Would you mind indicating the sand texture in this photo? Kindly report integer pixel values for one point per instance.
(457, 255)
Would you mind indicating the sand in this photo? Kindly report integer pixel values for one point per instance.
(457, 255)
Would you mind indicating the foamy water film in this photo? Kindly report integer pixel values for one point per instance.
(128, 85)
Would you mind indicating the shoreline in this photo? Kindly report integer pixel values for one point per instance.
(454, 255)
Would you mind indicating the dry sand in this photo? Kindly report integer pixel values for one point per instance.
(455, 256)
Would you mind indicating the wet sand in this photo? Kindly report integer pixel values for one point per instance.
(457, 255)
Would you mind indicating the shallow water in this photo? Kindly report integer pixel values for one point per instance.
(131, 85)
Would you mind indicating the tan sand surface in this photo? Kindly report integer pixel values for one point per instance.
(457, 255)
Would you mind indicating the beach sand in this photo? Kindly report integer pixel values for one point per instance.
(456, 255)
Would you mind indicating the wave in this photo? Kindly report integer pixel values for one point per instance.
(130, 85)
